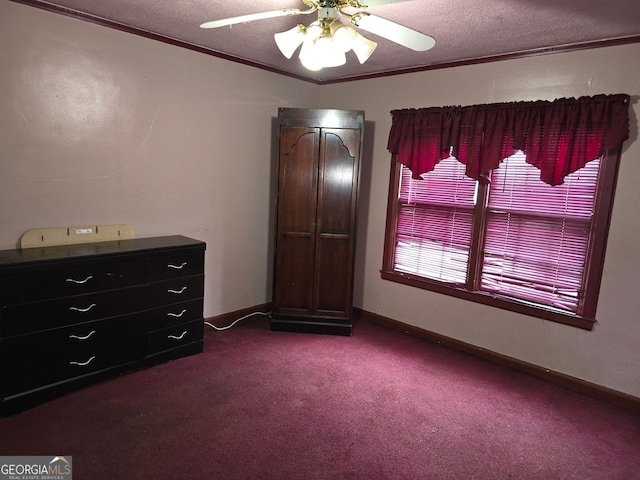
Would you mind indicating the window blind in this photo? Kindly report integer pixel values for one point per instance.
(537, 236)
(435, 220)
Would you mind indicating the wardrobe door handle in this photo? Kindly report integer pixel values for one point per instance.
(83, 364)
(177, 267)
(177, 291)
(83, 310)
(73, 280)
(86, 337)
(177, 315)
(173, 337)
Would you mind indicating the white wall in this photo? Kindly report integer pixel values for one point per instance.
(98, 126)
(610, 354)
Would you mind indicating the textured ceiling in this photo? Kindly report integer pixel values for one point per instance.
(465, 30)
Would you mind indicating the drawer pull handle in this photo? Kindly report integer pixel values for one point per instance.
(83, 310)
(177, 267)
(177, 291)
(86, 337)
(73, 280)
(173, 337)
(177, 315)
(83, 364)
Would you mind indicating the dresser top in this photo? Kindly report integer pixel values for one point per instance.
(60, 252)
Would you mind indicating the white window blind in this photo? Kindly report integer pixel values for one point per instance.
(537, 235)
(435, 221)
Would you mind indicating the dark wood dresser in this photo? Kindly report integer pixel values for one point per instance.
(74, 314)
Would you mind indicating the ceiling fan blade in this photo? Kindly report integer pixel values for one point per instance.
(393, 31)
(251, 17)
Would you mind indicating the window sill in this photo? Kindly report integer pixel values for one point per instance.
(487, 299)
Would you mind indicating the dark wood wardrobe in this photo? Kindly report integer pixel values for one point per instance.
(316, 205)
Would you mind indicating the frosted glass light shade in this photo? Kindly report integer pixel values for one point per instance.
(363, 47)
(290, 40)
(348, 38)
(344, 36)
(321, 53)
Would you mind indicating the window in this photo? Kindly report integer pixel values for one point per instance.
(505, 243)
(524, 231)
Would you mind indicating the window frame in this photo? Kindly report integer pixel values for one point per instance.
(585, 319)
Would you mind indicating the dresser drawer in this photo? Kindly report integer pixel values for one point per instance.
(176, 290)
(77, 279)
(184, 264)
(174, 337)
(103, 356)
(174, 314)
(76, 339)
(36, 316)
(36, 369)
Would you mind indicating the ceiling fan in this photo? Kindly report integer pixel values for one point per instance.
(326, 40)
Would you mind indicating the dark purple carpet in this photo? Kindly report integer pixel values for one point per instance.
(378, 405)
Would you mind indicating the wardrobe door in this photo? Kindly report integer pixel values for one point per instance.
(337, 193)
(296, 220)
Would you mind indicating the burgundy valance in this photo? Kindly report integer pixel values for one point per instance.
(558, 137)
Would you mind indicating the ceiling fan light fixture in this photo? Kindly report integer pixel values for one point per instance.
(325, 44)
(290, 40)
